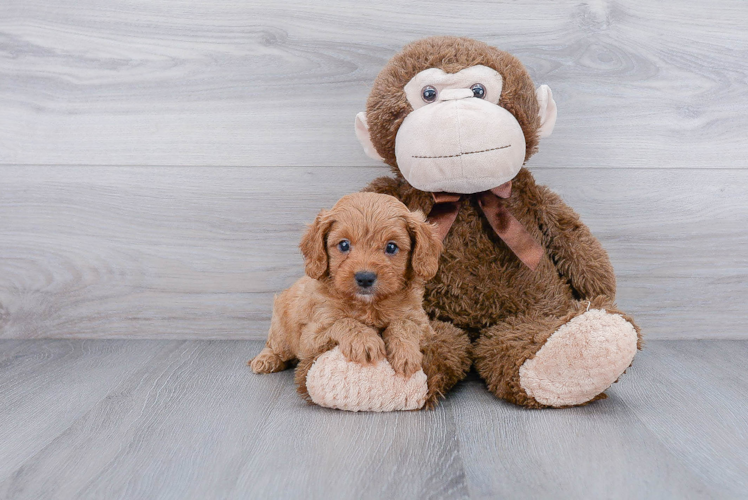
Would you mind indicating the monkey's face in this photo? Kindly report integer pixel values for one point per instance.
(464, 130)
(457, 138)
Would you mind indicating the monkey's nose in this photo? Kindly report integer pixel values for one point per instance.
(365, 279)
(455, 94)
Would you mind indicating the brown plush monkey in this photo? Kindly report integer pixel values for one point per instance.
(521, 276)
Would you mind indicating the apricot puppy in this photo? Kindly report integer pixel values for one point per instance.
(366, 262)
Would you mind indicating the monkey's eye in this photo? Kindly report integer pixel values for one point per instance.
(428, 93)
(479, 90)
(344, 246)
(391, 248)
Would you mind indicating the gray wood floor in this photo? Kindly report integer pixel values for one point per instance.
(187, 419)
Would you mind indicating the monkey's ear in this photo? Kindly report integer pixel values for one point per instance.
(314, 245)
(362, 132)
(547, 111)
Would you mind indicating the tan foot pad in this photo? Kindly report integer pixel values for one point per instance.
(335, 382)
(580, 360)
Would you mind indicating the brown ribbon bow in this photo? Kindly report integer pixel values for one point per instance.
(506, 226)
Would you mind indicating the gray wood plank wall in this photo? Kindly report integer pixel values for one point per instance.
(158, 160)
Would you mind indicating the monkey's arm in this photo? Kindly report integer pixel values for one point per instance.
(577, 254)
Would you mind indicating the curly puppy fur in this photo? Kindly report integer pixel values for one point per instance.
(481, 287)
(330, 307)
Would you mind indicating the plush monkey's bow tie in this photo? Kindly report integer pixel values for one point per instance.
(506, 226)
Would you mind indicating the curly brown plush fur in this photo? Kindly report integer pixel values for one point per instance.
(575, 266)
(508, 310)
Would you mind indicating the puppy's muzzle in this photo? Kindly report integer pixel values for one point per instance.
(365, 279)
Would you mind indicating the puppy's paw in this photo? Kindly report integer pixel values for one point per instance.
(404, 359)
(267, 362)
(363, 347)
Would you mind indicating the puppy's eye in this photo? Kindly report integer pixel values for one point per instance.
(391, 248)
(344, 246)
(428, 93)
(479, 91)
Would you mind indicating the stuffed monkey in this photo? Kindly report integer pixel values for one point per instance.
(523, 286)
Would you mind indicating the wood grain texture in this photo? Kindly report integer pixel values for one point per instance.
(599, 451)
(672, 427)
(331, 454)
(187, 419)
(196, 423)
(650, 148)
(37, 377)
(178, 427)
(701, 392)
(229, 82)
(198, 253)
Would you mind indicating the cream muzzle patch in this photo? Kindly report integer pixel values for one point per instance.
(458, 139)
(454, 141)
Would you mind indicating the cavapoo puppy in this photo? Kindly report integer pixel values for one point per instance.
(366, 262)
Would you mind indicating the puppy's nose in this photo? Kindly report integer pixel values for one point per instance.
(365, 279)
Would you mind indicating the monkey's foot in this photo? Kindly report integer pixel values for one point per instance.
(580, 360)
(335, 382)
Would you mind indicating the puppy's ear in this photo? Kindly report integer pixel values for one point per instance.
(426, 246)
(314, 245)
